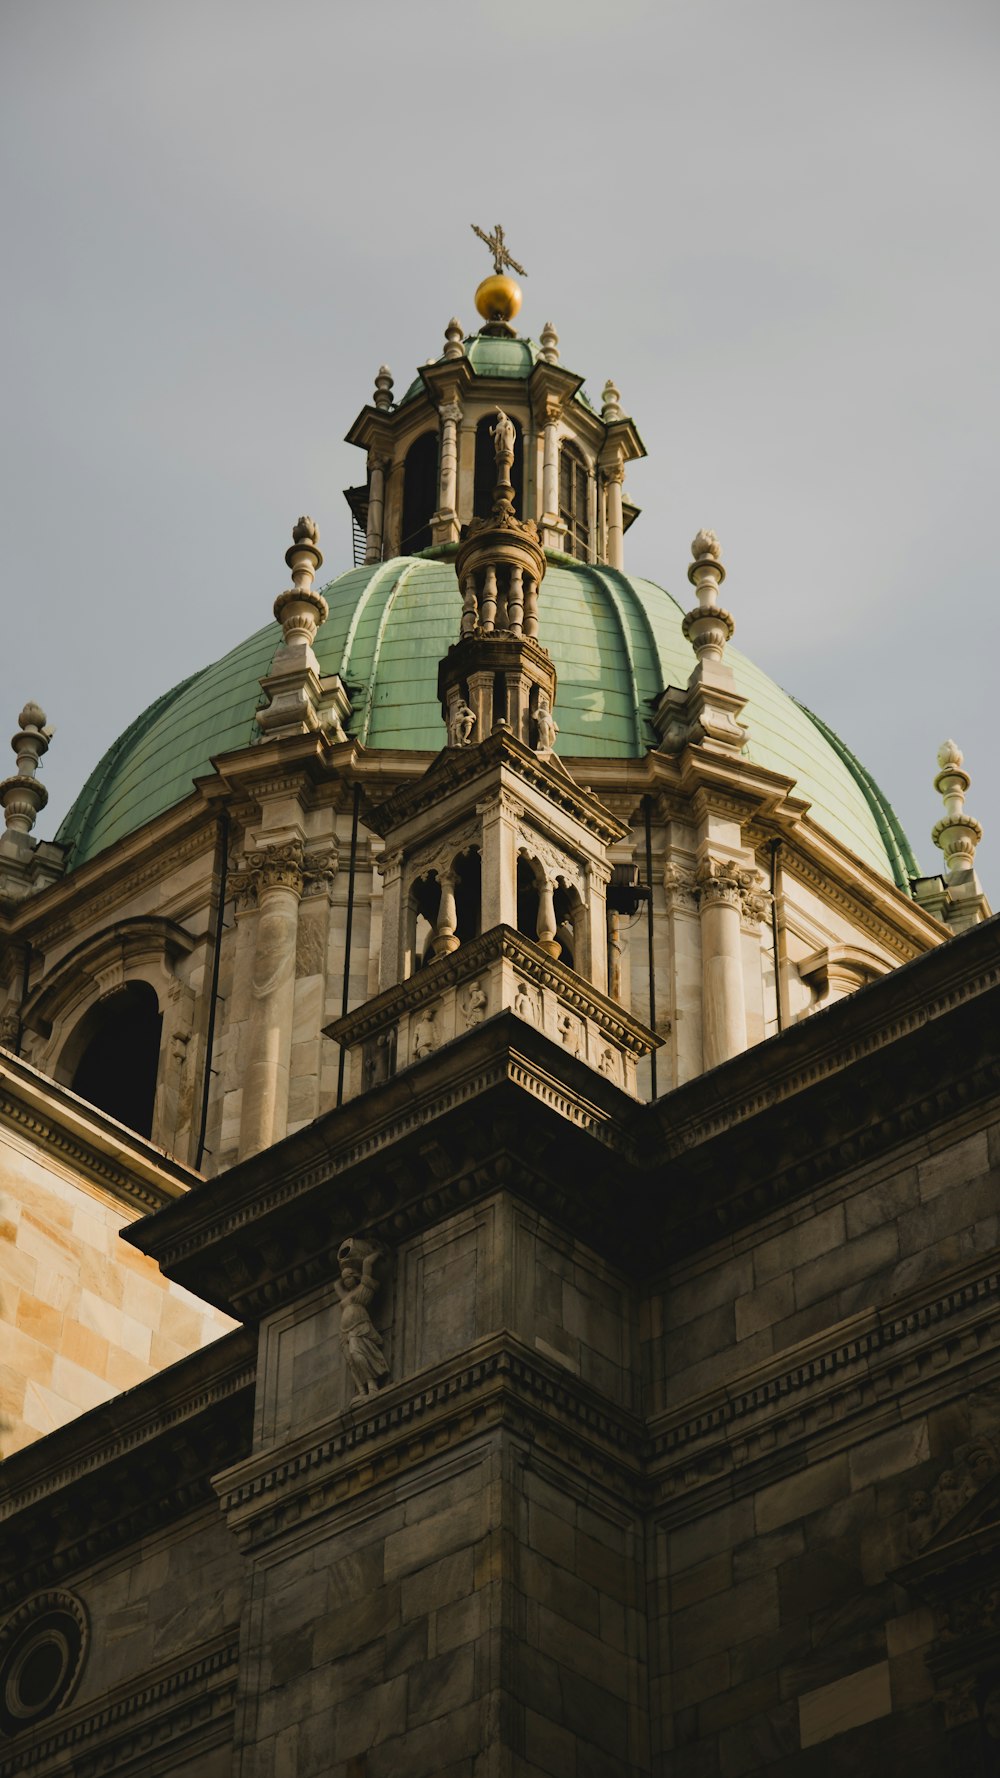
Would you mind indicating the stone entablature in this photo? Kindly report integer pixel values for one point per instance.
(500, 971)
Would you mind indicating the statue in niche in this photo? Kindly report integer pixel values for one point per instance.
(476, 1005)
(502, 435)
(524, 1004)
(606, 1064)
(425, 1037)
(359, 1336)
(545, 725)
(569, 1032)
(461, 724)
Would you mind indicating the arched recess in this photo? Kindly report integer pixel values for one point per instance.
(64, 1013)
(485, 479)
(574, 500)
(112, 1056)
(420, 476)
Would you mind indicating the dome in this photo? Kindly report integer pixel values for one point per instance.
(491, 356)
(616, 642)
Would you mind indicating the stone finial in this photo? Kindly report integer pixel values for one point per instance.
(454, 339)
(956, 834)
(610, 403)
(549, 344)
(709, 628)
(300, 700)
(301, 609)
(22, 795)
(383, 387)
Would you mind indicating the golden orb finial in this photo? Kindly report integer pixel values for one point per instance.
(498, 298)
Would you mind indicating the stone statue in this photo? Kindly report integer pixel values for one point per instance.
(524, 1005)
(425, 1036)
(502, 435)
(461, 725)
(476, 1005)
(359, 1337)
(545, 724)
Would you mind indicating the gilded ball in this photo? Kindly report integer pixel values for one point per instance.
(498, 298)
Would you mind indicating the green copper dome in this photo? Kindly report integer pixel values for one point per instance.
(616, 642)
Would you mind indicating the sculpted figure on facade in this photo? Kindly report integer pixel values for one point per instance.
(461, 725)
(546, 726)
(524, 1003)
(476, 1005)
(425, 1036)
(502, 435)
(361, 1340)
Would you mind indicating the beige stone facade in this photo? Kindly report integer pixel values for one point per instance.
(82, 1315)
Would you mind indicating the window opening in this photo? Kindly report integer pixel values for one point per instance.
(117, 1069)
(574, 501)
(420, 477)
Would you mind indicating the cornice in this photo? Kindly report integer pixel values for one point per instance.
(530, 961)
(195, 1696)
(44, 1115)
(499, 1385)
(873, 1020)
(881, 1361)
(456, 767)
(127, 1467)
(117, 875)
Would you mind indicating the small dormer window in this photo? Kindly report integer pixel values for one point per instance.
(574, 501)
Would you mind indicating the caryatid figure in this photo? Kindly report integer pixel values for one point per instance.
(359, 1336)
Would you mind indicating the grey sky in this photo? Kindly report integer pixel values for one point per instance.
(772, 221)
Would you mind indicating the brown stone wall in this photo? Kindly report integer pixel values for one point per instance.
(813, 1380)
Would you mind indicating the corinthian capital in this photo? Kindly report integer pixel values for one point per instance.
(722, 883)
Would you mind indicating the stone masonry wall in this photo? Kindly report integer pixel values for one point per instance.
(810, 1382)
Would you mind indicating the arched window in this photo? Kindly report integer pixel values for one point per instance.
(118, 1045)
(420, 475)
(574, 501)
(486, 468)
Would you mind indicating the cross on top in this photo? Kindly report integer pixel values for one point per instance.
(495, 243)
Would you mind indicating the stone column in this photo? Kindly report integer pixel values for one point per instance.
(546, 925)
(376, 506)
(481, 702)
(550, 467)
(499, 855)
(279, 879)
(596, 962)
(393, 964)
(614, 476)
(451, 413)
(445, 939)
(720, 902)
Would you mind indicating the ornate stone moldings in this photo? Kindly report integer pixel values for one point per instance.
(130, 1720)
(42, 1652)
(929, 1510)
(282, 866)
(722, 882)
(504, 1385)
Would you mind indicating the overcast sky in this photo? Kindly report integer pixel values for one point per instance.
(773, 222)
